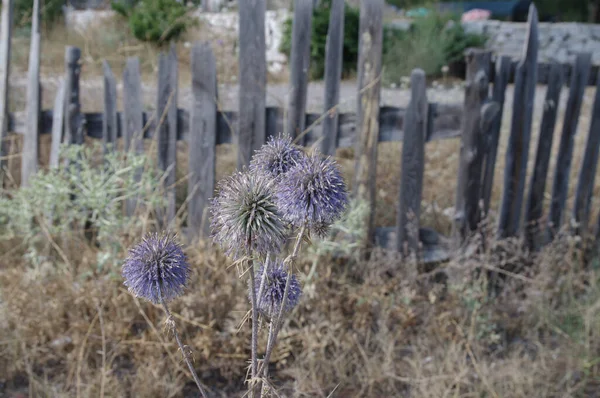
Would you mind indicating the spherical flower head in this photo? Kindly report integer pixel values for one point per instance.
(313, 194)
(158, 261)
(245, 219)
(276, 157)
(274, 287)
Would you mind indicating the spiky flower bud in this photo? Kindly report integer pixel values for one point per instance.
(276, 157)
(245, 219)
(313, 194)
(269, 304)
(158, 261)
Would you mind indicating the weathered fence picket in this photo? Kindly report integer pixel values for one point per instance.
(29, 158)
(413, 165)
(6, 22)
(58, 120)
(533, 228)
(469, 186)
(202, 139)
(587, 172)
(253, 79)
(109, 116)
(367, 115)
(560, 186)
(517, 155)
(334, 49)
(74, 120)
(299, 68)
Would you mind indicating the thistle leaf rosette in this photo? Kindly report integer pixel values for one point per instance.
(269, 303)
(313, 194)
(276, 157)
(245, 219)
(158, 261)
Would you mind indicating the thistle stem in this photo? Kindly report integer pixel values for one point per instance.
(254, 344)
(261, 288)
(275, 326)
(171, 323)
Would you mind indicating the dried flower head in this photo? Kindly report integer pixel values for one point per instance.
(158, 261)
(245, 218)
(276, 157)
(313, 193)
(270, 302)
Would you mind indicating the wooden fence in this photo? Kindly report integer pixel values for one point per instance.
(477, 121)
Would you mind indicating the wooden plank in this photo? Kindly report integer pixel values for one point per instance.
(413, 166)
(369, 87)
(517, 155)
(253, 75)
(57, 124)
(202, 139)
(6, 24)
(498, 96)
(560, 185)
(172, 137)
(544, 72)
(334, 49)
(588, 171)
(299, 68)
(468, 191)
(535, 200)
(161, 130)
(29, 158)
(133, 122)
(109, 119)
(74, 119)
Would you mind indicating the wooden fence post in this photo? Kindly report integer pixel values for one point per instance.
(517, 154)
(202, 139)
(133, 122)
(74, 121)
(413, 165)
(334, 50)
(58, 124)
(110, 123)
(587, 173)
(29, 159)
(535, 201)
(299, 67)
(501, 78)
(6, 21)
(253, 79)
(172, 138)
(367, 115)
(560, 187)
(475, 115)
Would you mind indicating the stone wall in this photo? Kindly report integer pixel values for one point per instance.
(558, 41)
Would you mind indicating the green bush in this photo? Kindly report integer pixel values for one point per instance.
(434, 41)
(156, 21)
(50, 12)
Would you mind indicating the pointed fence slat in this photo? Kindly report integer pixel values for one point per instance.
(560, 186)
(253, 77)
(469, 190)
(6, 24)
(369, 87)
(517, 154)
(588, 171)
(413, 166)
(334, 49)
(133, 121)
(57, 124)
(501, 77)
(29, 158)
(74, 120)
(202, 139)
(534, 234)
(299, 68)
(109, 116)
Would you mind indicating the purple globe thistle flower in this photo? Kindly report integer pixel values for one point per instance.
(313, 194)
(274, 287)
(158, 261)
(245, 218)
(276, 157)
